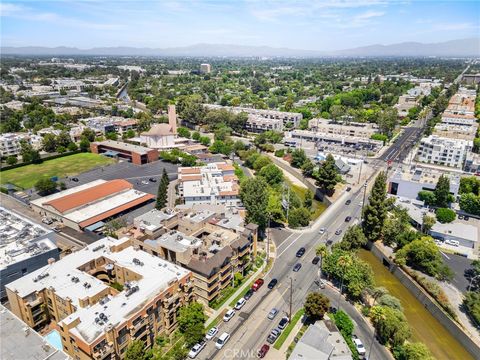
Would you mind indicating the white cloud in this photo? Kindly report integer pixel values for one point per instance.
(368, 15)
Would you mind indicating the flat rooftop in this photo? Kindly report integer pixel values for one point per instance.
(154, 218)
(199, 216)
(175, 241)
(426, 176)
(68, 281)
(142, 150)
(20, 342)
(21, 239)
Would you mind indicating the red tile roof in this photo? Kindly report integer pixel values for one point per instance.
(84, 197)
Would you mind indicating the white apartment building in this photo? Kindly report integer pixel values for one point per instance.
(214, 184)
(10, 143)
(365, 130)
(444, 151)
(258, 124)
(458, 118)
(286, 117)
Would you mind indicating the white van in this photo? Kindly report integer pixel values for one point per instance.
(222, 340)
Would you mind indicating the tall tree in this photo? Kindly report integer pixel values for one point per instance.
(135, 350)
(254, 195)
(353, 238)
(162, 195)
(191, 323)
(49, 143)
(442, 191)
(321, 251)
(327, 175)
(375, 212)
(316, 305)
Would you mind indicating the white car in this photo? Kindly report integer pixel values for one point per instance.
(222, 340)
(322, 231)
(228, 315)
(145, 182)
(452, 242)
(240, 303)
(196, 349)
(211, 333)
(359, 346)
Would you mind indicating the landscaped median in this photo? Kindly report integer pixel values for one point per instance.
(281, 339)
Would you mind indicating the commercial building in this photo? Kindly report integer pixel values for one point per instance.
(205, 68)
(85, 207)
(259, 124)
(472, 163)
(365, 130)
(408, 182)
(458, 118)
(19, 342)
(297, 136)
(287, 117)
(454, 131)
(162, 136)
(24, 247)
(321, 341)
(214, 184)
(405, 103)
(214, 247)
(102, 297)
(135, 154)
(444, 151)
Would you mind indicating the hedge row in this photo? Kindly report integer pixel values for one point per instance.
(5, 168)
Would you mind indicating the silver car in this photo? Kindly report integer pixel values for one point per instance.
(272, 313)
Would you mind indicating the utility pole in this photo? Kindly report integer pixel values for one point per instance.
(268, 239)
(364, 197)
(291, 299)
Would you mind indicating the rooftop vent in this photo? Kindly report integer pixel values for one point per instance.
(137, 262)
(98, 247)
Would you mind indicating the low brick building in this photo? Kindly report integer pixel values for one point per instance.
(135, 154)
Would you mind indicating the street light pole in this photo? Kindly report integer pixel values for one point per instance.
(291, 299)
(364, 197)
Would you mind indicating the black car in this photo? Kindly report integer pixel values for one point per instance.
(283, 323)
(300, 252)
(348, 218)
(315, 260)
(272, 283)
(248, 294)
(75, 179)
(152, 180)
(348, 202)
(349, 188)
(332, 309)
(466, 218)
(338, 232)
(329, 242)
(297, 267)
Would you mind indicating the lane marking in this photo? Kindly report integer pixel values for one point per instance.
(441, 252)
(293, 242)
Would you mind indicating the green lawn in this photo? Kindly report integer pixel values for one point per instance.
(317, 207)
(26, 176)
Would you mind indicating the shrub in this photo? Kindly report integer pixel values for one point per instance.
(445, 215)
(298, 217)
(279, 153)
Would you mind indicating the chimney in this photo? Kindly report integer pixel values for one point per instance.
(172, 118)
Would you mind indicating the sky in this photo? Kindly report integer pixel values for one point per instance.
(323, 25)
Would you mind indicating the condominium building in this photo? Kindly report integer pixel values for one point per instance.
(458, 118)
(102, 297)
(455, 131)
(286, 117)
(298, 136)
(25, 246)
(444, 151)
(259, 124)
(214, 184)
(365, 130)
(10, 143)
(197, 241)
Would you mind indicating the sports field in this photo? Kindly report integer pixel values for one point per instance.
(26, 176)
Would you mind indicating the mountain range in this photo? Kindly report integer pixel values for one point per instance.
(454, 48)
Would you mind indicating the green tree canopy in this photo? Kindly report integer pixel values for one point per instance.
(375, 211)
(45, 186)
(254, 195)
(298, 217)
(272, 174)
(391, 325)
(442, 191)
(316, 305)
(353, 238)
(327, 175)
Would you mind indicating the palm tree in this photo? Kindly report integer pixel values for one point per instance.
(321, 251)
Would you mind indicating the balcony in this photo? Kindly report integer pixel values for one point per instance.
(102, 352)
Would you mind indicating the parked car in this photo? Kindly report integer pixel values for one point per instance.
(222, 340)
(228, 315)
(466, 217)
(257, 284)
(145, 182)
(211, 333)
(47, 221)
(283, 323)
(248, 294)
(460, 217)
(263, 351)
(320, 283)
(297, 267)
(452, 242)
(272, 283)
(348, 202)
(316, 260)
(348, 218)
(338, 232)
(152, 180)
(273, 336)
(75, 179)
(195, 350)
(332, 309)
(240, 303)
(329, 242)
(300, 252)
(359, 346)
(272, 313)
(322, 231)
(349, 188)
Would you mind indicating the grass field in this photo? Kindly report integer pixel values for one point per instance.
(317, 207)
(26, 176)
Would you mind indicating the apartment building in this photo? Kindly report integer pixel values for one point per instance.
(103, 297)
(205, 68)
(197, 242)
(10, 143)
(286, 117)
(257, 124)
(444, 151)
(214, 184)
(458, 118)
(365, 130)
(25, 246)
(454, 131)
(298, 136)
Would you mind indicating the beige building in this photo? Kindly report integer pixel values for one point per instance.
(365, 130)
(103, 297)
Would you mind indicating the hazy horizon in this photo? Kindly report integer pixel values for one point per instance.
(307, 25)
